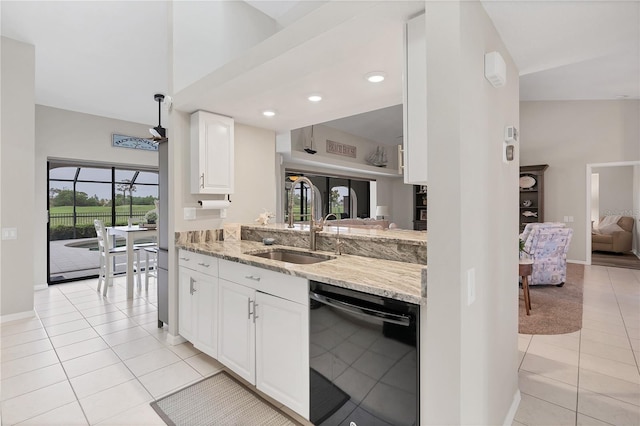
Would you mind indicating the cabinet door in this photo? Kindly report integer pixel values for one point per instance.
(212, 139)
(415, 102)
(185, 303)
(282, 351)
(204, 318)
(236, 330)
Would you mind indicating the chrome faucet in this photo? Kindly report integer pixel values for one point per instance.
(314, 227)
(338, 242)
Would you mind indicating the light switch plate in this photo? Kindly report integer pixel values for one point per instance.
(189, 213)
(9, 233)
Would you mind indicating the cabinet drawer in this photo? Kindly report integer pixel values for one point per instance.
(198, 262)
(281, 285)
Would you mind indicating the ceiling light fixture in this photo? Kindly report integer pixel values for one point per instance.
(315, 98)
(268, 113)
(375, 76)
(622, 96)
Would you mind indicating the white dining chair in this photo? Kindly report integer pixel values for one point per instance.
(151, 264)
(150, 250)
(107, 254)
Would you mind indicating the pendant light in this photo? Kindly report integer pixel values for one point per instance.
(310, 150)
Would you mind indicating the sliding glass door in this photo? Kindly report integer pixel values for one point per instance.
(79, 194)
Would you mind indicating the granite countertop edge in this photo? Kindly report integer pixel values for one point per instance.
(395, 280)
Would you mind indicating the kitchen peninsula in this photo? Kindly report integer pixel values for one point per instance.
(387, 263)
(259, 301)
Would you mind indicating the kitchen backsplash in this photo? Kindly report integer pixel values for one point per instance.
(199, 236)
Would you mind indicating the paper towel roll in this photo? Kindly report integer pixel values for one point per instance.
(214, 204)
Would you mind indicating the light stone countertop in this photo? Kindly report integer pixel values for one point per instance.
(396, 280)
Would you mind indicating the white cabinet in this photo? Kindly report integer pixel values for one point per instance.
(415, 102)
(282, 351)
(263, 334)
(236, 342)
(185, 302)
(198, 301)
(212, 156)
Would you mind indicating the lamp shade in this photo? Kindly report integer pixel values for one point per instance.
(382, 211)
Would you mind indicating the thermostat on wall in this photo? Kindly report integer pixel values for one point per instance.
(510, 134)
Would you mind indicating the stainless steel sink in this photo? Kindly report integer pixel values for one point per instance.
(292, 256)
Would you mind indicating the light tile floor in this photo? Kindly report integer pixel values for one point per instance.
(93, 360)
(590, 377)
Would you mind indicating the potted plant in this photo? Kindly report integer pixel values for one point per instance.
(524, 255)
(151, 217)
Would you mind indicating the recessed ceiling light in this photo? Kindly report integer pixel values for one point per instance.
(315, 98)
(375, 76)
(268, 113)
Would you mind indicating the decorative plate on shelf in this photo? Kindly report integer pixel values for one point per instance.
(527, 182)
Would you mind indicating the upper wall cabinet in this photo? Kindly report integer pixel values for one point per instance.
(211, 153)
(415, 102)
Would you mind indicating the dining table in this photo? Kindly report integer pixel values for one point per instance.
(130, 234)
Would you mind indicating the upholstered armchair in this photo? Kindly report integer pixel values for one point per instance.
(547, 244)
(613, 234)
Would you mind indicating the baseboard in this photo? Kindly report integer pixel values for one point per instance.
(175, 340)
(511, 414)
(17, 316)
(40, 287)
(579, 262)
(637, 253)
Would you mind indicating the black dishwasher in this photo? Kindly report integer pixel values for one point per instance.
(363, 358)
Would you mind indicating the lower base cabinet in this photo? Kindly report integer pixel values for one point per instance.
(254, 321)
(265, 340)
(236, 341)
(282, 351)
(198, 302)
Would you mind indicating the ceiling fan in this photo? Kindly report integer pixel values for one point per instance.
(159, 133)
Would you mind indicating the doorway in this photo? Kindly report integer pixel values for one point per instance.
(77, 195)
(613, 189)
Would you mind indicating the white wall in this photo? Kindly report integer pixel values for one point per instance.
(469, 353)
(399, 197)
(70, 135)
(568, 135)
(255, 178)
(209, 34)
(17, 171)
(636, 208)
(616, 190)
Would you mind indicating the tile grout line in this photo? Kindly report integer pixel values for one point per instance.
(101, 337)
(633, 353)
(77, 400)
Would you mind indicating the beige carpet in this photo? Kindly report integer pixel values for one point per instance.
(218, 400)
(554, 310)
(622, 260)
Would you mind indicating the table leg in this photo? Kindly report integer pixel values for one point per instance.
(129, 239)
(525, 290)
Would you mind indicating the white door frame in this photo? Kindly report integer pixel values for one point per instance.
(590, 167)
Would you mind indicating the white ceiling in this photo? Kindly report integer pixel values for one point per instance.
(105, 58)
(109, 58)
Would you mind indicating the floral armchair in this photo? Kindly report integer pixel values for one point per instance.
(547, 244)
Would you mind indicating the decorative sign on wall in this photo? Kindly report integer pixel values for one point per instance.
(123, 141)
(341, 149)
